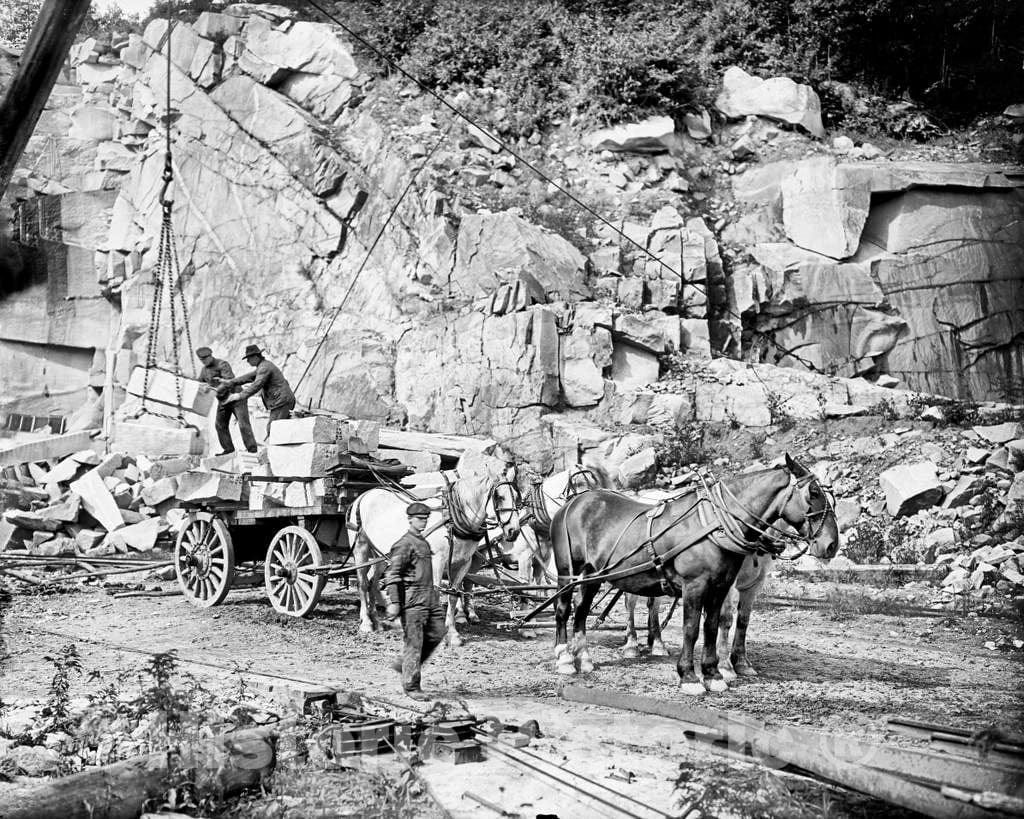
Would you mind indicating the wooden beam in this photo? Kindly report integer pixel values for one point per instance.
(838, 759)
(227, 763)
(38, 69)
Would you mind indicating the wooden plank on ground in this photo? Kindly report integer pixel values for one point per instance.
(792, 746)
(53, 446)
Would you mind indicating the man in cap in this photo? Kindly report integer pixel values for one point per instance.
(409, 583)
(268, 380)
(217, 373)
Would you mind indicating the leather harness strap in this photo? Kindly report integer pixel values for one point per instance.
(667, 586)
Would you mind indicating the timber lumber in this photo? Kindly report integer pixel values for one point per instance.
(29, 89)
(53, 446)
(843, 760)
(227, 763)
(447, 446)
(871, 571)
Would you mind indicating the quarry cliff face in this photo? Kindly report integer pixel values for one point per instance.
(289, 159)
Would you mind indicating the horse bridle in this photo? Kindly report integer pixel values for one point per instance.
(770, 539)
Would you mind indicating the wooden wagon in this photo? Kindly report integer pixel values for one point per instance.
(293, 551)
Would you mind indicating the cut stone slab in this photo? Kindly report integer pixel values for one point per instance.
(160, 491)
(65, 511)
(910, 487)
(32, 521)
(140, 537)
(960, 495)
(97, 500)
(44, 449)
(1000, 433)
(299, 494)
(207, 486)
(155, 441)
(88, 539)
(163, 389)
(976, 455)
(54, 546)
(316, 429)
(302, 460)
(12, 536)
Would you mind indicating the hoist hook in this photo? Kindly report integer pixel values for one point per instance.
(168, 176)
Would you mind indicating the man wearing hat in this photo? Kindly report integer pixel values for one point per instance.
(266, 379)
(217, 373)
(409, 583)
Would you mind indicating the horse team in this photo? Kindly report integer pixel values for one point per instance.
(709, 548)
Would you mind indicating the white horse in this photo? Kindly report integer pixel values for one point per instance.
(732, 660)
(543, 499)
(454, 530)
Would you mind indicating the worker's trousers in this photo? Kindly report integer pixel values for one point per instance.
(424, 632)
(240, 409)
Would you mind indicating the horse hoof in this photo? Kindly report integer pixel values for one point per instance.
(746, 670)
(455, 641)
(461, 619)
(366, 627)
(473, 618)
(630, 652)
(560, 649)
(718, 686)
(586, 666)
(692, 689)
(567, 669)
(727, 674)
(658, 650)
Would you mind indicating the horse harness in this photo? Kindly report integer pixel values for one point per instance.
(715, 519)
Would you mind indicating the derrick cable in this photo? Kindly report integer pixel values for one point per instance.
(561, 188)
(168, 272)
(369, 252)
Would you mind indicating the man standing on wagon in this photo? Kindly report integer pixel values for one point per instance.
(409, 583)
(267, 380)
(217, 373)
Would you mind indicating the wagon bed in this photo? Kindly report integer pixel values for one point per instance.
(225, 544)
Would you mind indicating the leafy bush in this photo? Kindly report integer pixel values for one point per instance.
(684, 448)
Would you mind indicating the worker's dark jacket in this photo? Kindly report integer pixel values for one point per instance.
(268, 379)
(411, 572)
(217, 373)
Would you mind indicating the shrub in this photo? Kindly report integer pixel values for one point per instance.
(684, 448)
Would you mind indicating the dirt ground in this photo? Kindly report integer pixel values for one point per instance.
(843, 675)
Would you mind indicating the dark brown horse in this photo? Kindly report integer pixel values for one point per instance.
(696, 543)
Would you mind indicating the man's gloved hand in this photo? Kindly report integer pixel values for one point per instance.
(394, 610)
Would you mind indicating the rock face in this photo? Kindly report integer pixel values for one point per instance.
(778, 98)
(910, 269)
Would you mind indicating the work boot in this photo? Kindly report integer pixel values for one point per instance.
(417, 694)
(226, 452)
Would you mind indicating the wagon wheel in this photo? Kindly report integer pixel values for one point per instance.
(291, 586)
(204, 560)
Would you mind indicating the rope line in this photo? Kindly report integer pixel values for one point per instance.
(561, 188)
(369, 252)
